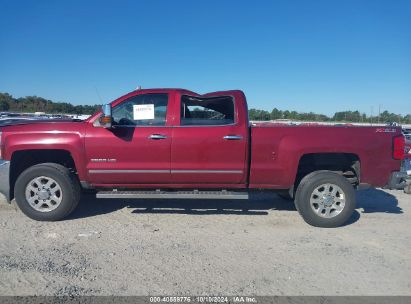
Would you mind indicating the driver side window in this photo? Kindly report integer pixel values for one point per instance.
(141, 110)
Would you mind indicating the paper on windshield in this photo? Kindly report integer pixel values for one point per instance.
(141, 112)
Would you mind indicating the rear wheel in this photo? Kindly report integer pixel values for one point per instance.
(47, 192)
(325, 199)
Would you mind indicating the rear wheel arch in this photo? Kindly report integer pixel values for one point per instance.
(345, 164)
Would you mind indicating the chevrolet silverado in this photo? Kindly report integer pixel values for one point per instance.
(174, 143)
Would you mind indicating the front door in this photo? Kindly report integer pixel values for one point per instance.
(136, 150)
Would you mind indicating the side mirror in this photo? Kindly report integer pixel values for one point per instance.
(106, 119)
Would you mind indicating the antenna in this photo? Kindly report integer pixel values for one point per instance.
(98, 95)
(138, 87)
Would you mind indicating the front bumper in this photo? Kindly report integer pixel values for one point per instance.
(5, 179)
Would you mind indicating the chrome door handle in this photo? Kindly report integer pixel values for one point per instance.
(157, 136)
(233, 137)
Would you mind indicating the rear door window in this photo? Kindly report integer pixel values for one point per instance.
(215, 111)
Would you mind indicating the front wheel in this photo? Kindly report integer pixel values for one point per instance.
(325, 199)
(47, 192)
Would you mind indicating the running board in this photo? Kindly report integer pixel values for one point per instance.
(224, 194)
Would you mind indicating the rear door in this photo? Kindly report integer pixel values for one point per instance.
(210, 141)
(137, 149)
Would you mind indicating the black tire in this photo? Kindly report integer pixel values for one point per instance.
(70, 191)
(306, 189)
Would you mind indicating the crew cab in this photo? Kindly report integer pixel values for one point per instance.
(174, 143)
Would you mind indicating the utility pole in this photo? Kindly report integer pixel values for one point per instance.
(372, 109)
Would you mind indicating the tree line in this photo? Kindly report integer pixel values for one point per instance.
(344, 116)
(38, 104)
(31, 104)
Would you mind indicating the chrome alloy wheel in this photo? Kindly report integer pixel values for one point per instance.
(43, 194)
(327, 200)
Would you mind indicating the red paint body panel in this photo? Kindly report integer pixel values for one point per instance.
(132, 150)
(194, 147)
(290, 143)
(67, 136)
(267, 156)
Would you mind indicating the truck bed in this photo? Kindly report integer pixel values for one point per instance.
(276, 149)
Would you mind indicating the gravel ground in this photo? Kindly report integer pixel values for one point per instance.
(259, 247)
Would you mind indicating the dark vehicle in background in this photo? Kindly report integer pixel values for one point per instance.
(407, 133)
(407, 160)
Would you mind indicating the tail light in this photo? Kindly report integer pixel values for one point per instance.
(399, 147)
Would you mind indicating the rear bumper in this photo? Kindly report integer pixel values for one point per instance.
(398, 180)
(406, 166)
(5, 179)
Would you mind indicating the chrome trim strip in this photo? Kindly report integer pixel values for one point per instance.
(166, 171)
(208, 171)
(126, 171)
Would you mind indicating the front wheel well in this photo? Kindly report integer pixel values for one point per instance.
(345, 164)
(22, 160)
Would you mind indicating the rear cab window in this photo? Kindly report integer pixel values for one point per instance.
(213, 111)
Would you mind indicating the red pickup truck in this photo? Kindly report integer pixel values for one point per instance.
(174, 143)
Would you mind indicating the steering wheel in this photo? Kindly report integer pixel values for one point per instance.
(126, 122)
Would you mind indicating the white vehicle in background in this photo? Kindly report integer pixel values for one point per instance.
(39, 116)
(39, 113)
